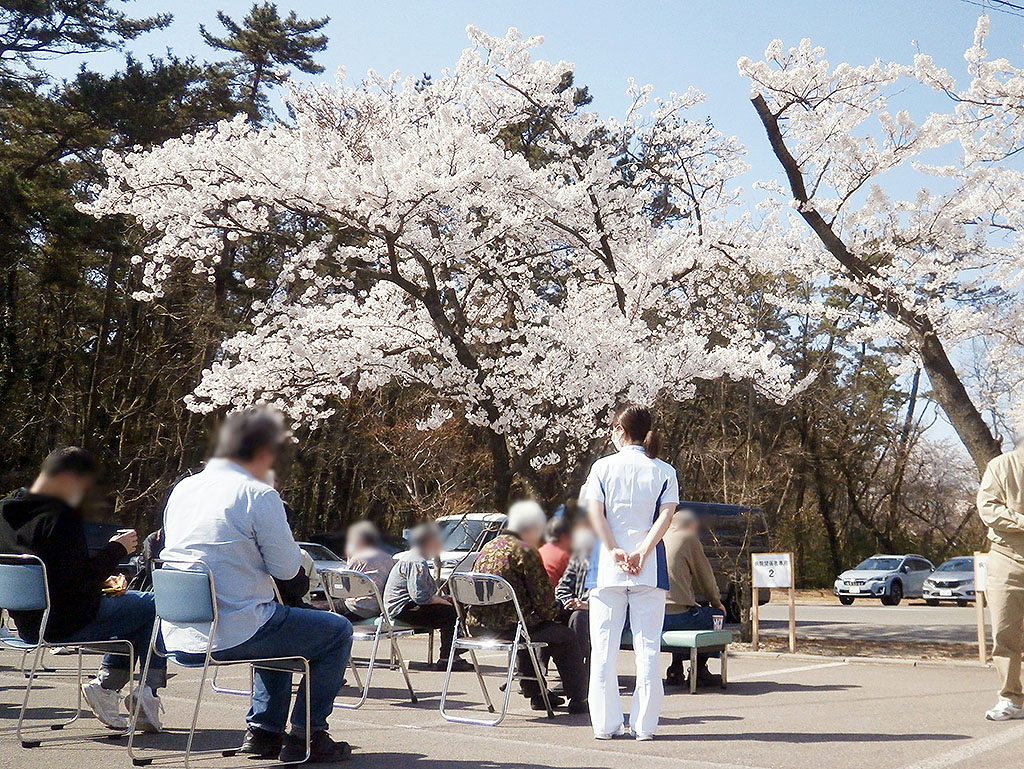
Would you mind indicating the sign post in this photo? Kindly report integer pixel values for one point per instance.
(772, 570)
(980, 575)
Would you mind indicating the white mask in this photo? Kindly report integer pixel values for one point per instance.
(615, 438)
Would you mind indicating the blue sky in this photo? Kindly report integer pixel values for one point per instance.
(672, 45)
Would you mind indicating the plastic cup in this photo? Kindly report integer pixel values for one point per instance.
(718, 621)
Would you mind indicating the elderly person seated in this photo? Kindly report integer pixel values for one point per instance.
(412, 596)
(513, 555)
(364, 554)
(572, 590)
(689, 575)
(557, 548)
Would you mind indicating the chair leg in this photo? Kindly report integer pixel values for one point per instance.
(430, 648)
(369, 673)
(725, 666)
(693, 670)
(396, 654)
(480, 679)
(195, 713)
(541, 680)
(24, 702)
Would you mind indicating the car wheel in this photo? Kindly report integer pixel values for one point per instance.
(895, 594)
(961, 602)
(932, 601)
(846, 600)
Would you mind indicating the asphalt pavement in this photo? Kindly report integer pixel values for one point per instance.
(868, 620)
(792, 712)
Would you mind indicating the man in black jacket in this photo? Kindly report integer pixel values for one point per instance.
(45, 521)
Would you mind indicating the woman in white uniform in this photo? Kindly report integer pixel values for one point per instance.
(631, 497)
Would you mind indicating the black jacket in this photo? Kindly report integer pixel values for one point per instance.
(45, 526)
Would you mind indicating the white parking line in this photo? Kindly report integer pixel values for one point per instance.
(970, 749)
(802, 668)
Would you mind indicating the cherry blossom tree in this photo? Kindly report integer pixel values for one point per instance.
(528, 291)
(936, 273)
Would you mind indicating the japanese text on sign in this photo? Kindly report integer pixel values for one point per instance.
(772, 570)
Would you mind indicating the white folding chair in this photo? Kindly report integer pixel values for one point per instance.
(342, 584)
(185, 594)
(24, 587)
(470, 589)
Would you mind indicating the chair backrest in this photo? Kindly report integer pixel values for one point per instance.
(475, 589)
(349, 583)
(183, 593)
(23, 583)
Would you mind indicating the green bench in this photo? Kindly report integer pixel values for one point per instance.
(706, 641)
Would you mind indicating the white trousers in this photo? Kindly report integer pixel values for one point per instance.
(607, 616)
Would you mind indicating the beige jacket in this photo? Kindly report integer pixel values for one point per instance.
(1001, 503)
(689, 572)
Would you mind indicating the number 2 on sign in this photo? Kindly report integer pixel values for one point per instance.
(771, 573)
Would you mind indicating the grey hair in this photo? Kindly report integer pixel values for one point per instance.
(525, 515)
(365, 532)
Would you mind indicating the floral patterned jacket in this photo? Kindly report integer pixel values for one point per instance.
(508, 556)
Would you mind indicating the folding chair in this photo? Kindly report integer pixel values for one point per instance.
(24, 587)
(185, 594)
(342, 584)
(476, 589)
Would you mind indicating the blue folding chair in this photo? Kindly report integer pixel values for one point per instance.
(24, 587)
(185, 594)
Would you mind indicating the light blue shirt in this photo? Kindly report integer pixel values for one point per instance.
(236, 525)
(633, 488)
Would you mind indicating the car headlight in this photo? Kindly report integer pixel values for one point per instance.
(878, 579)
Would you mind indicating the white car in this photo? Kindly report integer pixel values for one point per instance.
(324, 559)
(464, 535)
(890, 578)
(952, 581)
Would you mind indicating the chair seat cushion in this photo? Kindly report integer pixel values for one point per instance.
(687, 639)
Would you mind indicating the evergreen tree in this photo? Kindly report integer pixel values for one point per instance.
(267, 46)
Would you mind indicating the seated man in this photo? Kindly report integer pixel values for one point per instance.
(689, 574)
(557, 547)
(412, 596)
(572, 591)
(363, 553)
(513, 555)
(235, 524)
(45, 521)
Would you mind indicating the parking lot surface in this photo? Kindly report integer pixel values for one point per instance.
(777, 712)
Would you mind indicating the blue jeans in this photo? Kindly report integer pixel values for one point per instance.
(127, 617)
(325, 639)
(697, 618)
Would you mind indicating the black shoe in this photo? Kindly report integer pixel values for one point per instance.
(261, 743)
(322, 749)
(537, 703)
(706, 678)
(459, 665)
(578, 706)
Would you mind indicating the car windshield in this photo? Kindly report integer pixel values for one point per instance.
(464, 533)
(880, 564)
(320, 553)
(957, 564)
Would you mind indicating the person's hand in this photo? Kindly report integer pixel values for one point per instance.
(582, 605)
(719, 606)
(635, 562)
(115, 584)
(621, 559)
(573, 604)
(127, 538)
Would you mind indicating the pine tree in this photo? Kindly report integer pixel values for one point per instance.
(266, 46)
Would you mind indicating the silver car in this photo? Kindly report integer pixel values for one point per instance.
(952, 581)
(889, 578)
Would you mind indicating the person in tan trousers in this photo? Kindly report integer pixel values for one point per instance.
(1001, 506)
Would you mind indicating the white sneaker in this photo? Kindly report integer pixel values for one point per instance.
(1004, 711)
(601, 736)
(150, 708)
(641, 737)
(105, 704)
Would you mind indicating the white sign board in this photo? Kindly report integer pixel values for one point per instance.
(772, 569)
(980, 571)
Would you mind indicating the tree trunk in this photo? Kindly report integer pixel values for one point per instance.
(947, 387)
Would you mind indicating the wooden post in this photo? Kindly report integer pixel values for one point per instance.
(979, 608)
(792, 606)
(755, 629)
